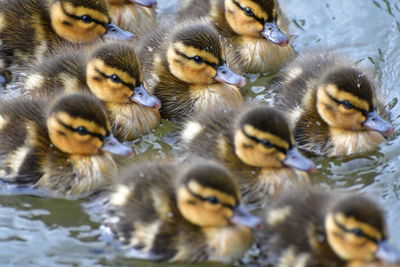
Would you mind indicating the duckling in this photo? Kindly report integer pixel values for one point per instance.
(185, 68)
(31, 28)
(254, 143)
(254, 31)
(333, 105)
(111, 72)
(63, 147)
(310, 227)
(136, 16)
(169, 212)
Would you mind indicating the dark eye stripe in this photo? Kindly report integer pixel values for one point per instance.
(130, 85)
(356, 232)
(261, 20)
(101, 137)
(206, 199)
(104, 24)
(213, 65)
(269, 145)
(344, 103)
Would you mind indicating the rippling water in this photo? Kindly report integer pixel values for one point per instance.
(52, 232)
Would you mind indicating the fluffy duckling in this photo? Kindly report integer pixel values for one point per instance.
(136, 16)
(30, 28)
(332, 104)
(321, 228)
(253, 29)
(112, 73)
(166, 212)
(254, 143)
(63, 148)
(185, 68)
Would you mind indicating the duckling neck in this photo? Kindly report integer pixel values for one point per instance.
(227, 243)
(345, 142)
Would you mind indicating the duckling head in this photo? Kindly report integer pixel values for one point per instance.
(356, 231)
(113, 74)
(263, 139)
(78, 125)
(84, 21)
(345, 100)
(195, 55)
(255, 18)
(145, 3)
(208, 197)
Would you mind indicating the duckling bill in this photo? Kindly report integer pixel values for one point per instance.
(166, 212)
(255, 143)
(334, 107)
(31, 28)
(64, 148)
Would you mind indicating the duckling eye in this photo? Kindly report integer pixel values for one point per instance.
(347, 105)
(213, 200)
(248, 12)
(86, 19)
(82, 130)
(266, 143)
(115, 78)
(198, 59)
(358, 232)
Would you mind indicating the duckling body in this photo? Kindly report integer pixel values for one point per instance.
(166, 212)
(138, 17)
(61, 148)
(253, 31)
(235, 138)
(184, 67)
(131, 109)
(309, 227)
(31, 28)
(333, 106)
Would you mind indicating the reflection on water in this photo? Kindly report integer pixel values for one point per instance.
(48, 232)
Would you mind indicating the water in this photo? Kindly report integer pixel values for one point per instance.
(51, 232)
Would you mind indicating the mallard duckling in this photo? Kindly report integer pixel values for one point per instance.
(333, 105)
(254, 143)
(253, 29)
(185, 68)
(30, 28)
(167, 212)
(136, 16)
(63, 148)
(307, 227)
(112, 73)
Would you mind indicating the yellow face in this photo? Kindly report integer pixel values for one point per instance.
(77, 24)
(246, 17)
(192, 65)
(352, 239)
(260, 149)
(205, 206)
(74, 135)
(340, 109)
(109, 84)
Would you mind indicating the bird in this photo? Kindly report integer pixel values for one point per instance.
(178, 212)
(184, 66)
(112, 72)
(335, 108)
(254, 31)
(60, 147)
(255, 143)
(136, 16)
(30, 29)
(315, 227)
